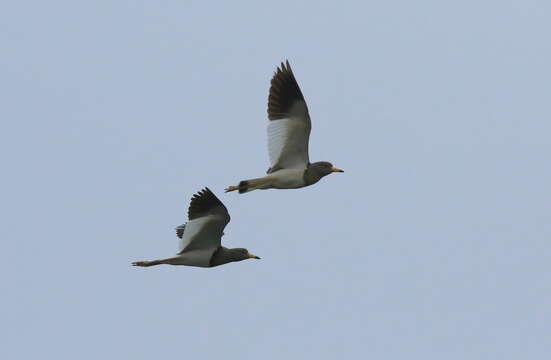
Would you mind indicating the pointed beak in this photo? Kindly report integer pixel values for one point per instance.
(252, 256)
(334, 169)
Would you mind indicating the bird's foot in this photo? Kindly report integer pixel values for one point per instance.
(140, 263)
(231, 188)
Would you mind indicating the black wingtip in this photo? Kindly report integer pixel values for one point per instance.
(288, 65)
(180, 230)
(284, 92)
(201, 202)
(283, 67)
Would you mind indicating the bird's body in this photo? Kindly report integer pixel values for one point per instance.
(200, 237)
(200, 258)
(281, 179)
(288, 135)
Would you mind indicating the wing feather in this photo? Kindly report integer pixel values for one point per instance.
(290, 125)
(207, 219)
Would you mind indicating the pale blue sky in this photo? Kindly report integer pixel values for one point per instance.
(434, 244)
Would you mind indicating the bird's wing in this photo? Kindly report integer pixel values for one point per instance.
(207, 219)
(180, 230)
(289, 126)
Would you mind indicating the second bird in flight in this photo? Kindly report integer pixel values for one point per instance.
(288, 135)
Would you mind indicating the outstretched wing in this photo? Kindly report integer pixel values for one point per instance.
(207, 219)
(289, 126)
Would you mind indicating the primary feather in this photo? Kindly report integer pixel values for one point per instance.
(289, 127)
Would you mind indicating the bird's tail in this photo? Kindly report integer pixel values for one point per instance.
(250, 185)
(148, 263)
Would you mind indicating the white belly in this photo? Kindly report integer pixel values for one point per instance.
(287, 178)
(199, 258)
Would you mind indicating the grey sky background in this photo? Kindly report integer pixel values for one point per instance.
(433, 244)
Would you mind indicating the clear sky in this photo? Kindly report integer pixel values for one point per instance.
(434, 243)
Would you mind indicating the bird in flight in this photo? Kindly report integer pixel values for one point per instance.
(288, 135)
(200, 237)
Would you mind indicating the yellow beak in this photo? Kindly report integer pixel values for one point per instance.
(334, 169)
(252, 256)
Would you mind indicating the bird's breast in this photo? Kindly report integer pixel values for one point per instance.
(288, 178)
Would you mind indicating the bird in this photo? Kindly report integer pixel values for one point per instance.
(288, 134)
(200, 237)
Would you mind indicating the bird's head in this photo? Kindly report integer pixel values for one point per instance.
(323, 168)
(244, 254)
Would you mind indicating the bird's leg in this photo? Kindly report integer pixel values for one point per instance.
(231, 188)
(140, 263)
(148, 263)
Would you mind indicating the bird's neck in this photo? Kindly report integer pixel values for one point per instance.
(311, 176)
(223, 256)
